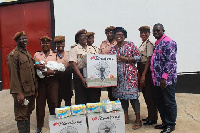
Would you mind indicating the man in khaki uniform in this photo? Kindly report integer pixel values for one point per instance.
(77, 52)
(22, 82)
(105, 48)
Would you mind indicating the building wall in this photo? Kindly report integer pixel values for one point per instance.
(34, 18)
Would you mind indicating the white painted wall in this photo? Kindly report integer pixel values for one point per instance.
(180, 18)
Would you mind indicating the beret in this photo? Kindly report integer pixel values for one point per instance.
(83, 31)
(45, 39)
(59, 39)
(90, 33)
(110, 28)
(18, 34)
(144, 28)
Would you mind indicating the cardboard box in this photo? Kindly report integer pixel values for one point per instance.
(100, 70)
(106, 122)
(73, 124)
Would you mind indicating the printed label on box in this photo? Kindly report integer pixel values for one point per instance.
(101, 70)
(75, 124)
(106, 122)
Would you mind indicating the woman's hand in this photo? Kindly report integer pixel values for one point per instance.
(40, 66)
(84, 82)
(142, 81)
(48, 72)
(121, 59)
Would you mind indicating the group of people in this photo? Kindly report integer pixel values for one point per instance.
(155, 74)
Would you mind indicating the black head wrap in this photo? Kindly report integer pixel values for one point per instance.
(120, 29)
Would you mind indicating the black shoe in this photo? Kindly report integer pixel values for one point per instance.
(145, 119)
(150, 122)
(38, 130)
(168, 130)
(162, 126)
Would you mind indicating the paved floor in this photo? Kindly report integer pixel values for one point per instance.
(188, 119)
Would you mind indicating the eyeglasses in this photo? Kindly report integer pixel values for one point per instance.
(119, 34)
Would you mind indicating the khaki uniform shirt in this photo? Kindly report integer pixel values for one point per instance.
(21, 72)
(40, 56)
(64, 59)
(105, 46)
(146, 50)
(77, 53)
(96, 49)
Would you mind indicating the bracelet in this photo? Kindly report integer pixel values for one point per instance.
(37, 63)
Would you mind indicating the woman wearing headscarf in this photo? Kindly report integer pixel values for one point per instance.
(64, 78)
(146, 84)
(127, 88)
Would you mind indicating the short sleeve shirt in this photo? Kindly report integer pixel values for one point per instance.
(64, 59)
(106, 46)
(77, 53)
(146, 50)
(40, 56)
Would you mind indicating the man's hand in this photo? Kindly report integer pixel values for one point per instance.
(36, 94)
(20, 98)
(163, 83)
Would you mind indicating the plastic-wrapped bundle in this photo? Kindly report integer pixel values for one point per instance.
(53, 65)
(78, 109)
(116, 105)
(39, 73)
(94, 107)
(63, 112)
(107, 106)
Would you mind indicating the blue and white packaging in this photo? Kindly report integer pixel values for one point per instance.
(63, 112)
(107, 106)
(94, 107)
(78, 109)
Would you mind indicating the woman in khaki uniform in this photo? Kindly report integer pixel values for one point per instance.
(146, 50)
(22, 82)
(64, 78)
(47, 86)
(105, 48)
(77, 52)
(90, 41)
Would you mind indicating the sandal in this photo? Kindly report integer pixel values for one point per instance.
(137, 126)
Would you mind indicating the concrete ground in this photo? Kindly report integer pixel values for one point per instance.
(188, 119)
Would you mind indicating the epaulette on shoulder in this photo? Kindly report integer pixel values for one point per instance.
(73, 46)
(13, 52)
(95, 47)
(148, 41)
